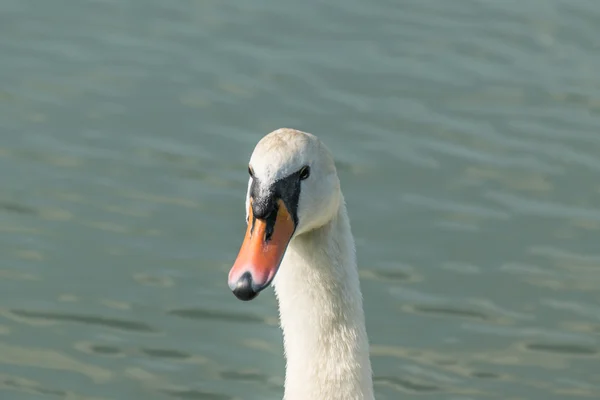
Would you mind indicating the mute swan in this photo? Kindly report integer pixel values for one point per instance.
(299, 239)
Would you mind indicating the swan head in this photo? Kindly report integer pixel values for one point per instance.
(293, 189)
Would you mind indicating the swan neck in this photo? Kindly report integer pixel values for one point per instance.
(322, 317)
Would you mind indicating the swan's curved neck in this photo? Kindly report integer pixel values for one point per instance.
(320, 305)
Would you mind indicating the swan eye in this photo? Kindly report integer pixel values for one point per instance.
(304, 173)
(250, 171)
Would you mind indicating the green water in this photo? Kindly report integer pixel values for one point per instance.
(467, 137)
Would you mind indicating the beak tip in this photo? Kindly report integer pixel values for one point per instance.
(243, 288)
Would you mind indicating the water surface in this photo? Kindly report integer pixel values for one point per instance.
(467, 137)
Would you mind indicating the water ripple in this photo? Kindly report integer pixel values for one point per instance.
(540, 208)
(566, 349)
(217, 315)
(193, 394)
(125, 325)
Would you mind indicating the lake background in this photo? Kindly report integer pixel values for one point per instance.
(467, 138)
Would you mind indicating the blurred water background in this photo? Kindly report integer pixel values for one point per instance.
(467, 137)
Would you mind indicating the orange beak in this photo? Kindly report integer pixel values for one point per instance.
(261, 253)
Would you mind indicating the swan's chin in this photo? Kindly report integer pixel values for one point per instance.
(261, 252)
